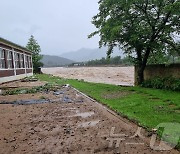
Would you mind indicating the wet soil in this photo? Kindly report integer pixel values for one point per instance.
(81, 126)
(19, 84)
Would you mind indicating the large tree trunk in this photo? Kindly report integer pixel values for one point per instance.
(142, 61)
(140, 75)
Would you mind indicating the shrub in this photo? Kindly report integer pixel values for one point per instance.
(168, 83)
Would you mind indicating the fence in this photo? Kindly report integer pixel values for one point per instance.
(160, 70)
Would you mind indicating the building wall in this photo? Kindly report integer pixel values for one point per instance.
(10, 73)
(13, 78)
(160, 70)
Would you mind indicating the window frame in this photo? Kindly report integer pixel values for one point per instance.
(22, 60)
(10, 60)
(17, 60)
(2, 59)
(28, 61)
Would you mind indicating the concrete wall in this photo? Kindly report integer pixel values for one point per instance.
(13, 78)
(160, 70)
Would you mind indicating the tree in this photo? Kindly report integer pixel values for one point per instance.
(33, 46)
(142, 28)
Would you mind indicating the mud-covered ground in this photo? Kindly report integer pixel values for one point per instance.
(109, 75)
(69, 123)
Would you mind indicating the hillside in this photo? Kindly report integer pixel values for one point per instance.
(89, 54)
(55, 61)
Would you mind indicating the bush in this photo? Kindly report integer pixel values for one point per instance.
(168, 83)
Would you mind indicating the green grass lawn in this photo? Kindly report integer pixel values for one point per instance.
(147, 107)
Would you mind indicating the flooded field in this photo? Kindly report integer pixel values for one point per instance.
(109, 75)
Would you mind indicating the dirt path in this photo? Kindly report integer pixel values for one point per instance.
(109, 75)
(81, 126)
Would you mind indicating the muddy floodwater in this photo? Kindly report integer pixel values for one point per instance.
(109, 75)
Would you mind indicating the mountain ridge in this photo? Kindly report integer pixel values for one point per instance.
(86, 54)
(55, 61)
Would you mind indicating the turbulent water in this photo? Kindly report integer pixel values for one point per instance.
(109, 75)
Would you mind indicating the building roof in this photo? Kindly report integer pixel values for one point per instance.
(13, 45)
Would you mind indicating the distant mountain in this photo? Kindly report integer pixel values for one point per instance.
(84, 54)
(55, 61)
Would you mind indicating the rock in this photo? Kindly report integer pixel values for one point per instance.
(154, 130)
(67, 130)
(66, 86)
(12, 140)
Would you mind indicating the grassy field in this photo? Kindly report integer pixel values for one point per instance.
(147, 107)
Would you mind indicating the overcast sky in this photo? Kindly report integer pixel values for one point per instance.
(58, 25)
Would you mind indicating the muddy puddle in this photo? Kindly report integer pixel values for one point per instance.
(27, 102)
(39, 101)
(89, 124)
(59, 99)
(83, 115)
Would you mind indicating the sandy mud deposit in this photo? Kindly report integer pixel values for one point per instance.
(109, 75)
(68, 123)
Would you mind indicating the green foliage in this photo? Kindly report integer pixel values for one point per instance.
(33, 46)
(127, 61)
(45, 88)
(110, 61)
(143, 28)
(168, 83)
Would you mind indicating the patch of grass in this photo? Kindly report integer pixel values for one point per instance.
(51, 79)
(148, 107)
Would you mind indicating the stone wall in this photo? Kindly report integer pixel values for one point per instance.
(160, 70)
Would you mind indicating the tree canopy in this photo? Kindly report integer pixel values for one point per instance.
(33, 46)
(142, 28)
(126, 61)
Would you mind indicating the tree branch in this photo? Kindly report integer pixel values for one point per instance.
(172, 44)
(163, 24)
(146, 14)
(165, 20)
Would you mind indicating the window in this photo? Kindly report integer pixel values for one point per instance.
(2, 59)
(10, 59)
(27, 61)
(22, 61)
(30, 63)
(17, 60)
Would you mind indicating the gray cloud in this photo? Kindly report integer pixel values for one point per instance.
(59, 26)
